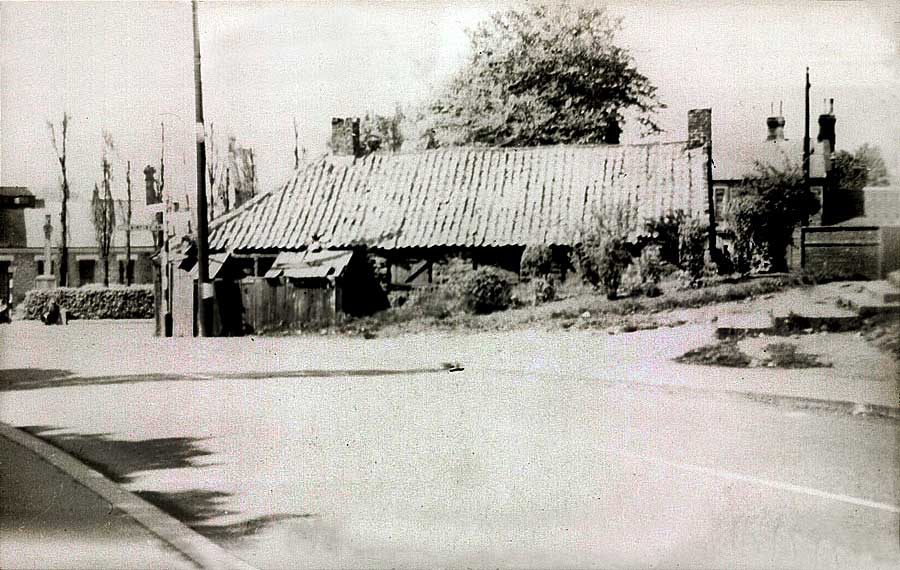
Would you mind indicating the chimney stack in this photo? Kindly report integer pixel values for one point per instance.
(826, 136)
(150, 181)
(775, 124)
(345, 137)
(699, 127)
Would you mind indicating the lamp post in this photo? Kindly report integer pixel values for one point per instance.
(204, 287)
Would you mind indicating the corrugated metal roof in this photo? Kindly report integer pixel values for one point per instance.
(466, 197)
(310, 264)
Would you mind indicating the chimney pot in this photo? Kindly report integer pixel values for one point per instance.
(776, 128)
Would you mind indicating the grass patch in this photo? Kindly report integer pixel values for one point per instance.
(725, 353)
(786, 355)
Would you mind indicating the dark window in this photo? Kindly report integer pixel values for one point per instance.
(5, 283)
(122, 270)
(86, 269)
(264, 264)
(40, 267)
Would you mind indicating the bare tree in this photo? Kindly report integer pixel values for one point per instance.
(243, 168)
(296, 146)
(212, 169)
(128, 273)
(103, 209)
(60, 150)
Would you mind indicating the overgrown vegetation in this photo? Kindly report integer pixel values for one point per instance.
(725, 353)
(537, 261)
(135, 302)
(487, 291)
(770, 203)
(787, 355)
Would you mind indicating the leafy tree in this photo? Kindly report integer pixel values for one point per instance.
(770, 203)
(543, 74)
(864, 167)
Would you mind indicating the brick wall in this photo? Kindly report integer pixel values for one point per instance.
(843, 251)
(24, 269)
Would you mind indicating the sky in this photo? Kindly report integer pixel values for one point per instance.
(125, 68)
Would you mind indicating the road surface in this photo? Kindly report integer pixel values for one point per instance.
(481, 468)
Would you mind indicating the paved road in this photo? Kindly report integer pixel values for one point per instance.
(464, 469)
(47, 520)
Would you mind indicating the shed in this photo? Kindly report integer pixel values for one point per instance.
(311, 288)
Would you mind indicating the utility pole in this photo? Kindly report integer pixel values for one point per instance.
(806, 152)
(128, 228)
(204, 288)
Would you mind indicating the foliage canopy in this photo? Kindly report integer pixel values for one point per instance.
(861, 168)
(770, 204)
(543, 74)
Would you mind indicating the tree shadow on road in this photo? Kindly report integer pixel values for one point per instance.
(119, 460)
(13, 379)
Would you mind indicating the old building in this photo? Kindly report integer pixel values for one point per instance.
(23, 242)
(487, 202)
(412, 209)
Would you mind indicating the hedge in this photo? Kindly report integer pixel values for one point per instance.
(135, 302)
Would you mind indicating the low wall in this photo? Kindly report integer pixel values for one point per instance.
(865, 251)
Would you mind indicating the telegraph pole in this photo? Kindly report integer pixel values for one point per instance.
(806, 152)
(204, 288)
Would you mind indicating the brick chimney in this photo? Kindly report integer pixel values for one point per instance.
(150, 182)
(699, 127)
(826, 136)
(345, 137)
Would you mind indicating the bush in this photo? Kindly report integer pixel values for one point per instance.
(537, 261)
(487, 291)
(611, 258)
(771, 203)
(665, 233)
(134, 302)
(543, 290)
(692, 243)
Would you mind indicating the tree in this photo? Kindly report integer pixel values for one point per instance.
(543, 74)
(103, 213)
(299, 152)
(212, 170)
(242, 168)
(864, 167)
(60, 150)
(770, 203)
(383, 132)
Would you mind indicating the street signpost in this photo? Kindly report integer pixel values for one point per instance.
(154, 227)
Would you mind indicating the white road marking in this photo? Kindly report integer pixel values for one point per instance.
(781, 485)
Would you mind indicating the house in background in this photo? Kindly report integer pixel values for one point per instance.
(412, 209)
(855, 233)
(732, 165)
(22, 246)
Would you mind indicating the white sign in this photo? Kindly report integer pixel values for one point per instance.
(140, 227)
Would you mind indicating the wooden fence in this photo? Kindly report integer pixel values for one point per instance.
(271, 303)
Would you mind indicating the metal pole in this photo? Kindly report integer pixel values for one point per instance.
(204, 288)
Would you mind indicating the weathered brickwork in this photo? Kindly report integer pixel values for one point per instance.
(845, 251)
